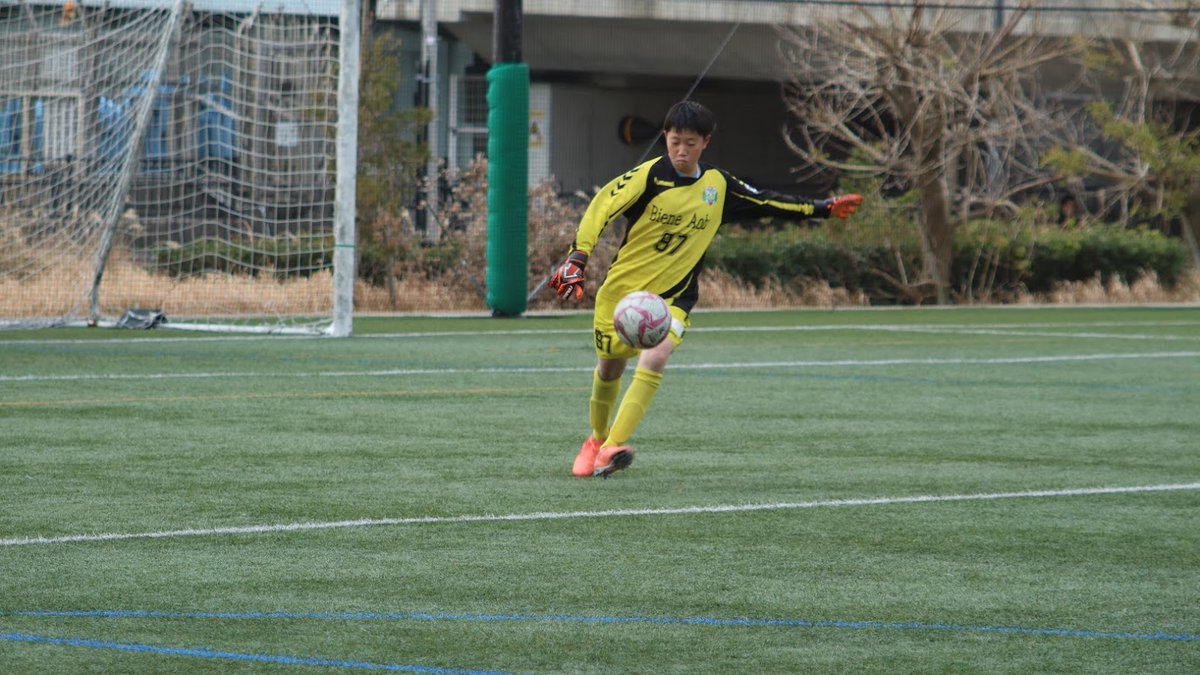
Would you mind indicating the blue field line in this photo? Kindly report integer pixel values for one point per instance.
(566, 618)
(236, 656)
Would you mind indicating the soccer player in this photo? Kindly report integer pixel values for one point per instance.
(673, 206)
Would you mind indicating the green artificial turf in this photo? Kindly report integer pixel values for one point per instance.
(402, 500)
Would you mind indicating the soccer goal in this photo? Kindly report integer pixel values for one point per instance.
(159, 156)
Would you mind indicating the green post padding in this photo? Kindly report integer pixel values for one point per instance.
(508, 187)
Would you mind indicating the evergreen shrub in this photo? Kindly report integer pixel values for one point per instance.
(994, 261)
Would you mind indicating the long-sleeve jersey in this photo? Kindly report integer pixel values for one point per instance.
(671, 223)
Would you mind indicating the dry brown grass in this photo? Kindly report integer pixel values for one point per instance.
(1145, 290)
(49, 278)
(127, 285)
(62, 291)
(54, 293)
(721, 290)
(417, 294)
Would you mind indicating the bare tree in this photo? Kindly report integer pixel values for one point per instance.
(1140, 137)
(920, 100)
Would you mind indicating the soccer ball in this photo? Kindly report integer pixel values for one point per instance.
(642, 320)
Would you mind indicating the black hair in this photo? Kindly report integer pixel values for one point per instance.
(690, 116)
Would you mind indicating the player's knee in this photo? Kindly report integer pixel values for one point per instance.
(656, 359)
(610, 369)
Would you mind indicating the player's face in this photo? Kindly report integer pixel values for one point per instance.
(684, 148)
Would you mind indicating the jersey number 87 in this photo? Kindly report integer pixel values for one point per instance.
(664, 244)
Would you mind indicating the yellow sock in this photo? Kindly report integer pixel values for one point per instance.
(633, 406)
(604, 397)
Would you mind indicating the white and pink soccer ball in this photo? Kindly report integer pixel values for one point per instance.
(642, 320)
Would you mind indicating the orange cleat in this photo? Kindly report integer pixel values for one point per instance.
(585, 461)
(612, 459)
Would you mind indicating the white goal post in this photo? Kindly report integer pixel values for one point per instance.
(192, 160)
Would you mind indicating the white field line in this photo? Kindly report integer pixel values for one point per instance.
(396, 372)
(1021, 332)
(981, 329)
(569, 515)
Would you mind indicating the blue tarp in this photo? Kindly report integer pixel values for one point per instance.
(216, 136)
(12, 132)
(215, 126)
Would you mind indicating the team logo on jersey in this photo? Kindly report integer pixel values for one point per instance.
(710, 195)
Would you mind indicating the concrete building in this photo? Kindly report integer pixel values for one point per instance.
(601, 69)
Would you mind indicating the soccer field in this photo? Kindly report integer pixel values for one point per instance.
(883, 491)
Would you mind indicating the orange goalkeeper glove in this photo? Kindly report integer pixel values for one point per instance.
(844, 206)
(568, 280)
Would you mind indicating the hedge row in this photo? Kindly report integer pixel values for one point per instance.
(283, 258)
(988, 262)
(991, 261)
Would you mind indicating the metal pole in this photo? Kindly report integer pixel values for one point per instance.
(136, 139)
(506, 32)
(349, 28)
(429, 64)
(999, 14)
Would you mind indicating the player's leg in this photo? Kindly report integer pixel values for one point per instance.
(611, 359)
(606, 387)
(615, 453)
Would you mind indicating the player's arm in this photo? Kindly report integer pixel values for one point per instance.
(610, 202)
(743, 202)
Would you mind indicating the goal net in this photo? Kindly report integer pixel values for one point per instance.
(168, 159)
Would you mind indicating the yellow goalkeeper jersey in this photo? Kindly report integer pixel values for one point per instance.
(671, 221)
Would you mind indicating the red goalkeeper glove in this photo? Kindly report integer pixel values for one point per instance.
(844, 206)
(568, 280)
